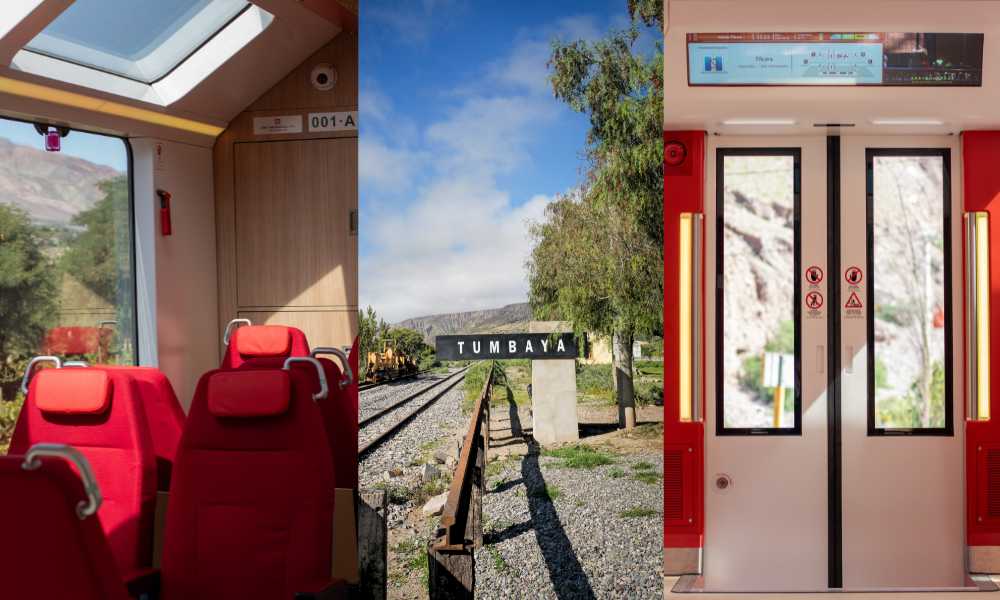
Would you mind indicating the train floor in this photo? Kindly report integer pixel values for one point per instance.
(670, 582)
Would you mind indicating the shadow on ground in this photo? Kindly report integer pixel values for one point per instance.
(569, 580)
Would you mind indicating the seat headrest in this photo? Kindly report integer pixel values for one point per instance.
(72, 391)
(263, 340)
(248, 393)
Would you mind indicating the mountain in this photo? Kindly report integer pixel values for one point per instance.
(510, 318)
(50, 186)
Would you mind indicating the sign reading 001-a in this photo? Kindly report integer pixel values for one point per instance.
(536, 346)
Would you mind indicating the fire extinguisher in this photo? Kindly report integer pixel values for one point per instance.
(165, 226)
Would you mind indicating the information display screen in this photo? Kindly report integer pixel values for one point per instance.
(908, 59)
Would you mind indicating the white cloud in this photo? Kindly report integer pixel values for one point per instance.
(383, 168)
(526, 67)
(458, 248)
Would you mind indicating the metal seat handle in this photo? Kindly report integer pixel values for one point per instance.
(348, 377)
(324, 389)
(31, 368)
(84, 508)
(76, 363)
(229, 329)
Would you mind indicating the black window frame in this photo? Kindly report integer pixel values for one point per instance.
(720, 198)
(949, 417)
(130, 173)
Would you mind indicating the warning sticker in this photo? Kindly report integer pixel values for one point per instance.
(814, 304)
(814, 275)
(854, 275)
(854, 308)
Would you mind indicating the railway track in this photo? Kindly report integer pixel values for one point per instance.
(440, 388)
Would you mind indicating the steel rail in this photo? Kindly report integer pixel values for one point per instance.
(369, 446)
(384, 411)
(459, 505)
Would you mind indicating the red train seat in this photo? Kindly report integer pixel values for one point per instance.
(78, 341)
(340, 417)
(100, 413)
(52, 548)
(163, 413)
(339, 409)
(251, 507)
(262, 341)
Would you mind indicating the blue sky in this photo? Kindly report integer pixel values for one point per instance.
(99, 149)
(461, 144)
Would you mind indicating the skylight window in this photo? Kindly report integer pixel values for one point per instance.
(143, 40)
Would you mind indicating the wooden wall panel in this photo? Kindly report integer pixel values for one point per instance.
(293, 240)
(283, 203)
(323, 328)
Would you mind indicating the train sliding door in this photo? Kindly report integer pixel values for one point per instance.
(901, 384)
(843, 470)
(765, 430)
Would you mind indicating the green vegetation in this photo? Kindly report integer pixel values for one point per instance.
(34, 261)
(907, 411)
(95, 256)
(396, 494)
(499, 466)
(499, 563)
(413, 555)
(616, 473)
(373, 332)
(751, 376)
(595, 383)
(580, 457)
(475, 379)
(598, 255)
(28, 295)
(549, 492)
(8, 417)
(642, 466)
(638, 513)
(650, 477)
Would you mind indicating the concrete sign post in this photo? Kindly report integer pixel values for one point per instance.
(553, 393)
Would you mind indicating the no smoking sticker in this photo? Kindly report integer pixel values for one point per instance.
(814, 275)
(854, 275)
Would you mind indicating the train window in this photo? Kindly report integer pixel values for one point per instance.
(909, 324)
(67, 278)
(757, 301)
(139, 39)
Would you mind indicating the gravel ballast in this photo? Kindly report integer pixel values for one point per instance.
(430, 430)
(558, 532)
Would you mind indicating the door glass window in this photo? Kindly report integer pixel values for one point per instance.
(909, 324)
(758, 299)
(67, 276)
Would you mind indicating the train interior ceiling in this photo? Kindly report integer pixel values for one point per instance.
(831, 428)
(173, 173)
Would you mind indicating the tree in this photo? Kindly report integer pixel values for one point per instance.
(371, 329)
(98, 256)
(598, 258)
(28, 302)
(408, 341)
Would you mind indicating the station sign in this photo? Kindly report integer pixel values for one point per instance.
(488, 346)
